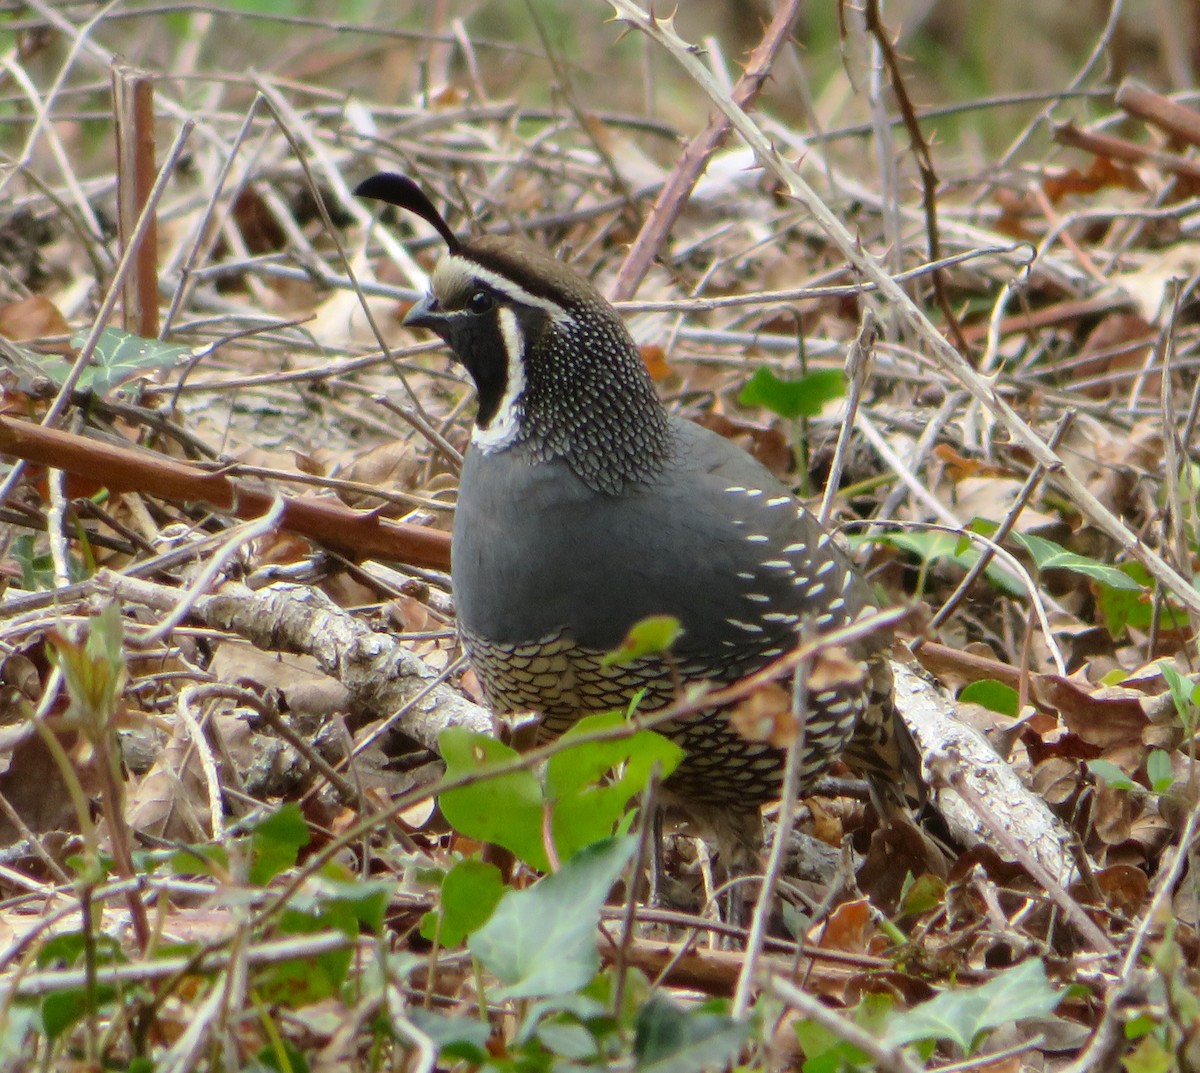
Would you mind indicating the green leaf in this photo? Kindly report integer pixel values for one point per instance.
(542, 941)
(1184, 692)
(1150, 1056)
(1160, 772)
(568, 1039)
(926, 892)
(673, 1040)
(1111, 774)
(199, 861)
(61, 1009)
(37, 568)
(932, 547)
(119, 356)
(1124, 608)
(280, 1056)
(995, 696)
(826, 1053)
(1050, 556)
(301, 981)
(648, 636)
(94, 671)
(965, 1014)
(345, 901)
(1138, 1025)
(464, 1038)
(577, 1005)
(504, 809)
(277, 841)
(793, 398)
(470, 892)
(590, 785)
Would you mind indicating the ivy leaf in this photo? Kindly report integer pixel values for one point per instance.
(669, 1039)
(590, 785)
(932, 547)
(542, 941)
(470, 892)
(1050, 556)
(793, 398)
(1111, 774)
(504, 809)
(277, 841)
(993, 695)
(454, 1037)
(118, 358)
(964, 1015)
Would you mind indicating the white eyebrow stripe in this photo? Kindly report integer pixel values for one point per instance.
(458, 273)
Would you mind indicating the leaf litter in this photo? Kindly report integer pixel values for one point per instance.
(283, 294)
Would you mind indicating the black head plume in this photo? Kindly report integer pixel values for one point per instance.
(401, 191)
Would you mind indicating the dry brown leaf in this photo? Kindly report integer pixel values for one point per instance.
(826, 824)
(1057, 779)
(1105, 716)
(958, 466)
(303, 686)
(986, 496)
(833, 668)
(1124, 888)
(1112, 815)
(850, 928)
(655, 359)
(392, 465)
(35, 317)
(770, 446)
(765, 715)
(1120, 342)
(171, 801)
(33, 784)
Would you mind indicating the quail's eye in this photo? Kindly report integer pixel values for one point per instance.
(480, 302)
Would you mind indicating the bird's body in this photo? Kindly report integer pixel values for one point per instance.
(595, 565)
(585, 507)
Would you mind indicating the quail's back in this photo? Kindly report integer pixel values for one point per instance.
(585, 507)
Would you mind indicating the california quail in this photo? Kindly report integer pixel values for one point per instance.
(584, 506)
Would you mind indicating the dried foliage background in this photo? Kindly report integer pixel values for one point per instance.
(1008, 167)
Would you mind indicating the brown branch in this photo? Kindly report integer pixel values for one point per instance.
(695, 157)
(1169, 116)
(355, 534)
(1114, 148)
(133, 110)
(1060, 313)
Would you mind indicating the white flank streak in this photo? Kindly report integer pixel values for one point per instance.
(503, 429)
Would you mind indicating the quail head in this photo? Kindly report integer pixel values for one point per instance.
(584, 507)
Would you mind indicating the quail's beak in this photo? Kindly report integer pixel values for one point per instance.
(425, 314)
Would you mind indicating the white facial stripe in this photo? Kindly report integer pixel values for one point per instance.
(457, 273)
(503, 429)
